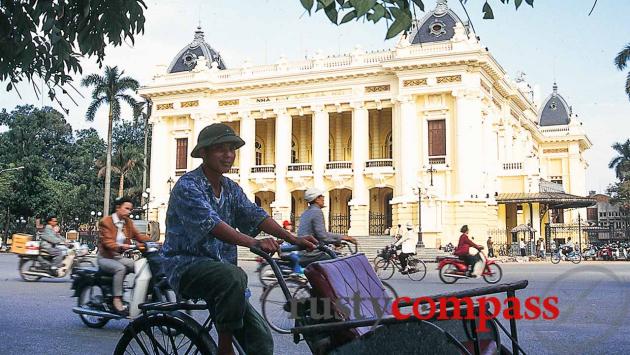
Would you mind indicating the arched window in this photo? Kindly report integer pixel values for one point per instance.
(259, 152)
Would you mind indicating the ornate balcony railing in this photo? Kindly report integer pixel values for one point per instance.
(437, 160)
(339, 165)
(233, 170)
(263, 169)
(300, 167)
(379, 163)
(512, 166)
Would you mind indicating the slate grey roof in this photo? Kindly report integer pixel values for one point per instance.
(436, 26)
(554, 111)
(186, 59)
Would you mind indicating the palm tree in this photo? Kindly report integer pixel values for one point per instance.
(126, 161)
(109, 89)
(621, 163)
(621, 61)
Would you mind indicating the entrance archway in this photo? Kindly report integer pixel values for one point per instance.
(380, 215)
(339, 216)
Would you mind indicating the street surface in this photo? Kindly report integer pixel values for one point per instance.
(594, 303)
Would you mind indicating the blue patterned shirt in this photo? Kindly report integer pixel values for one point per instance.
(193, 211)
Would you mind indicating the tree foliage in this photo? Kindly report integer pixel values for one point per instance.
(621, 61)
(397, 13)
(60, 174)
(621, 163)
(46, 39)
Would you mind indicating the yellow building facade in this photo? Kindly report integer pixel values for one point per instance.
(434, 122)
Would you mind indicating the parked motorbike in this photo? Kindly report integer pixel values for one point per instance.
(451, 269)
(93, 288)
(36, 263)
(590, 252)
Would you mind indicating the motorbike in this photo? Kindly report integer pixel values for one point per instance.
(36, 263)
(590, 253)
(93, 288)
(451, 269)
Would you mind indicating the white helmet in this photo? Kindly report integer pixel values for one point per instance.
(312, 193)
(409, 225)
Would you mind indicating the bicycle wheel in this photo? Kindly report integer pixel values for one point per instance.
(417, 269)
(159, 333)
(384, 269)
(277, 310)
(576, 258)
(266, 276)
(555, 258)
(390, 291)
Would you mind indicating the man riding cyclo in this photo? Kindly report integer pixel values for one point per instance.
(312, 224)
(204, 212)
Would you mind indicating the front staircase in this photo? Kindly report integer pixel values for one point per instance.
(368, 245)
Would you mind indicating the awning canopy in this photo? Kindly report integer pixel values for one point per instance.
(551, 199)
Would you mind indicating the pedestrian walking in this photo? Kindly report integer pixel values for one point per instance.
(521, 245)
(490, 244)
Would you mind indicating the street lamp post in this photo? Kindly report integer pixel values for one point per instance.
(145, 207)
(419, 191)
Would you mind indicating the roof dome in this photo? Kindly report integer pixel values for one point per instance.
(186, 59)
(555, 111)
(436, 26)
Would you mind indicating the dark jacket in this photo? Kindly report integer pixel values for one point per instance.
(107, 246)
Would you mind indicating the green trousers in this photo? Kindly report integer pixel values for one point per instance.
(223, 285)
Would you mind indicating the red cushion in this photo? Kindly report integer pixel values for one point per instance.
(487, 346)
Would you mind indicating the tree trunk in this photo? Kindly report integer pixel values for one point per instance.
(121, 185)
(108, 164)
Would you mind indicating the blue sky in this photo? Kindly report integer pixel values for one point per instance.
(555, 39)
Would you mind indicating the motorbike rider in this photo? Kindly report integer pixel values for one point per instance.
(408, 240)
(115, 235)
(50, 241)
(567, 247)
(312, 224)
(463, 249)
(205, 209)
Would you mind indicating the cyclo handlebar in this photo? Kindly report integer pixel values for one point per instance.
(276, 269)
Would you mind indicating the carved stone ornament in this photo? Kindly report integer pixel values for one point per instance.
(415, 82)
(168, 106)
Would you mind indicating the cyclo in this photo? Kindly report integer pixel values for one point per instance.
(164, 328)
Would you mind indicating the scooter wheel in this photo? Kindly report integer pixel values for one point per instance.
(26, 265)
(444, 271)
(91, 295)
(493, 273)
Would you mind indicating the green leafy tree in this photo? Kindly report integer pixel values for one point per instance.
(621, 61)
(109, 89)
(46, 39)
(397, 13)
(621, 163)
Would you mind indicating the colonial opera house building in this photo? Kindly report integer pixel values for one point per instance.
(434, 122)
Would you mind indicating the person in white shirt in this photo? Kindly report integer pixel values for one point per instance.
(408, 241)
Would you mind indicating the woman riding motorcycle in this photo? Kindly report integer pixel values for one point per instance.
(463, 248)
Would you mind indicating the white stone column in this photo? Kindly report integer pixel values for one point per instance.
(161, 162)
(282, 203)
(408, 148)
(360, 149)
(320, 145)
(247, 152)
(468, 118)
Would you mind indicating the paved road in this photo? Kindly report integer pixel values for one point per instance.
(594, 303)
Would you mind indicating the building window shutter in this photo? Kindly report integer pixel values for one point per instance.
(437, 138)
(181, 161)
